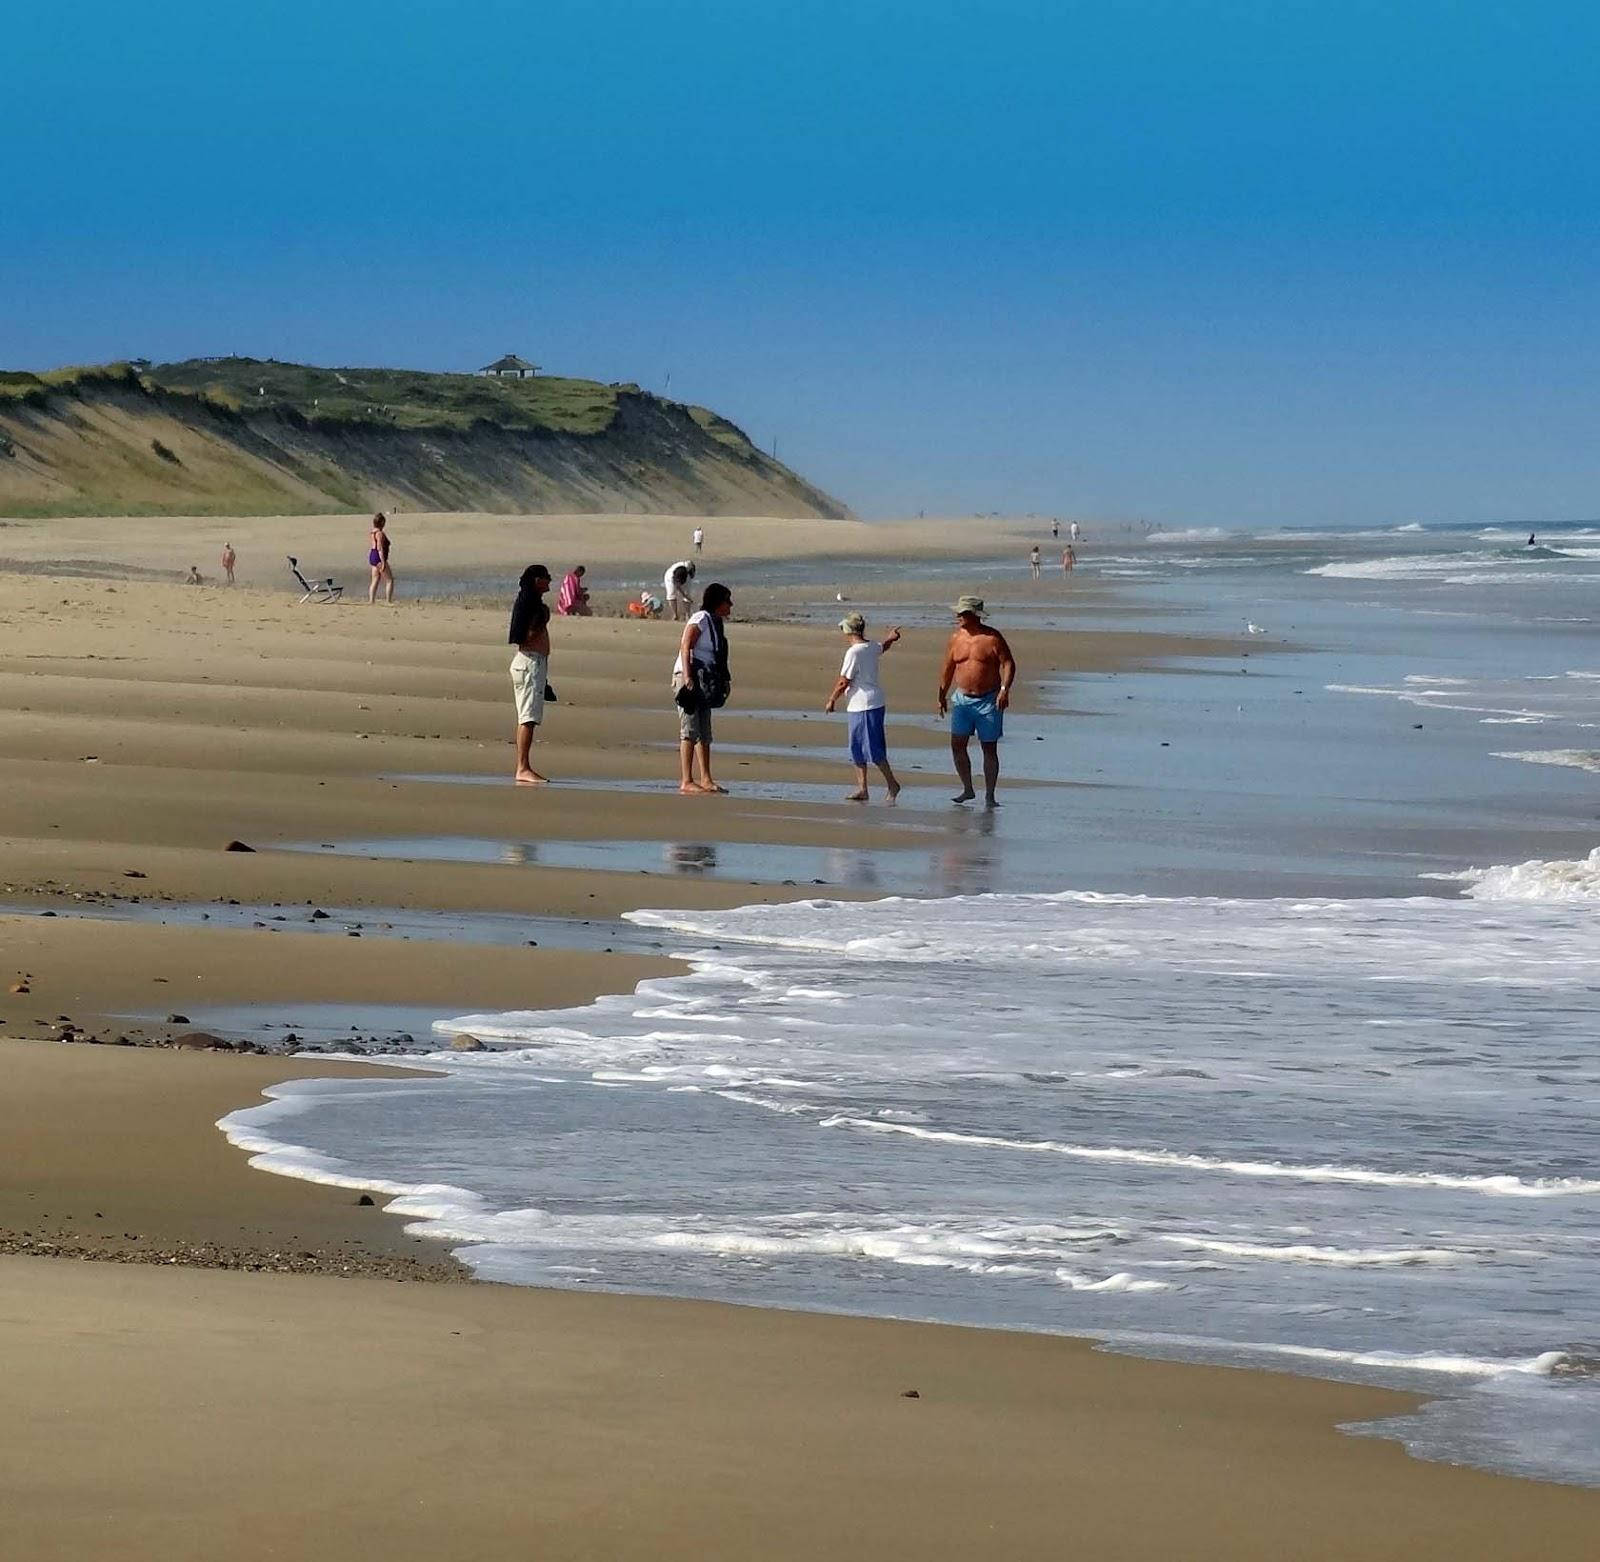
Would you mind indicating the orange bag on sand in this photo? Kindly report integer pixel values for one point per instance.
(635, 610)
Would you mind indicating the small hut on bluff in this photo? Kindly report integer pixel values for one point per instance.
(510, 367)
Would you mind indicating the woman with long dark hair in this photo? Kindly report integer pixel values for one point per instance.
(700, 683)
(530, 664)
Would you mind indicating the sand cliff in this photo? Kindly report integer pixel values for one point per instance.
(171, 441)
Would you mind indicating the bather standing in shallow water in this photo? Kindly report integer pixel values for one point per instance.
(974, 691)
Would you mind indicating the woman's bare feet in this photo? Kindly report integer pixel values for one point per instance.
(857, 797)
(532, 778)
(711, 786)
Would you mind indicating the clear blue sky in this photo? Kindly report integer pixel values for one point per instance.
(1203, 263)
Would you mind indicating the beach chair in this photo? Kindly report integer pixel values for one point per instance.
(315, 590)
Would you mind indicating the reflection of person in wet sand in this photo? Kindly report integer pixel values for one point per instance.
(530, 664)
(865, 708)
(974, 691)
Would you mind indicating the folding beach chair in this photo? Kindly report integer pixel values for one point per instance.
(317, 590)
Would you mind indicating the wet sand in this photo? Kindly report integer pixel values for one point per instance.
(196, 1394)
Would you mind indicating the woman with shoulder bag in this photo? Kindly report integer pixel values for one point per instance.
(700, 683)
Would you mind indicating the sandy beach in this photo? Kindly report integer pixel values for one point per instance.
(252, 1371)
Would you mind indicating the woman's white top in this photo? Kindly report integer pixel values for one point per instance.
(861, 668)
(704, 649)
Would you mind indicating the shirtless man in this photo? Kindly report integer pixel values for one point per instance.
(979, 664)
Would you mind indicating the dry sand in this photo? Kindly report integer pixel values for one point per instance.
(157, 1409)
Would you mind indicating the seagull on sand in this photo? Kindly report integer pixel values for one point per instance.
(1253, 629)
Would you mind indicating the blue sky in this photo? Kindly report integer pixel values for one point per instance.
(1273, 262)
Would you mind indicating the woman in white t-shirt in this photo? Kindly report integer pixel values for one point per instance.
(703, 647)
(865, 708)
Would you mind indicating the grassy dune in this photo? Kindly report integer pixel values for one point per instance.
(212, 436)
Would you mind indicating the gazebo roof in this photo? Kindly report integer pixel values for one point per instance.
(510, 361)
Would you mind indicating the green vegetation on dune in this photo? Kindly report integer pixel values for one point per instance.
(20, 385)
(214, 436)
(400, 398)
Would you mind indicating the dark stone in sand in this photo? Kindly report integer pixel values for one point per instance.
(47, 913)
(177, 1019)
(237, 846)
(909, 1393)
(319, 915)
(366, 1200)
(465, 1043)
(202, 1041)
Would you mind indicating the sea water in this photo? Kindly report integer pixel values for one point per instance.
(1274, 1045)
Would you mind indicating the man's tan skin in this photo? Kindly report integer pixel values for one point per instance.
(537, 643)
(977, 662)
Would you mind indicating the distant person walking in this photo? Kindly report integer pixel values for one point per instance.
(1055, 529)
(700, 685)
(1069, 559)
(378, 560)
(530, 665)
(572, 601)
(699, 538)
(974, 691)
(865, 709)
(1033, 560)
(229, 559)
(1073, 532)
(676, 580)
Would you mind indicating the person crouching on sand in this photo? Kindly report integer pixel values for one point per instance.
(865, 709)
(530, 665)
(979, 664)
(700, 683)
(572, 601)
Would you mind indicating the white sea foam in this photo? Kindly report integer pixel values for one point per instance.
(1309, 1253)
(1573, 758)
(1195, 534)
(1558, 882)
(1445, 1363)
(1498, 1184)
(1498, 568)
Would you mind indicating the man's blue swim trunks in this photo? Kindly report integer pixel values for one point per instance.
(976, 715)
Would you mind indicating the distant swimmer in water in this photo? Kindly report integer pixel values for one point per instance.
(1533, 542)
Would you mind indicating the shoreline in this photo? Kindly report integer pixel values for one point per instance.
(130, 766)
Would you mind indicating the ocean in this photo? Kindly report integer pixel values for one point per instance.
(1268, 1039)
